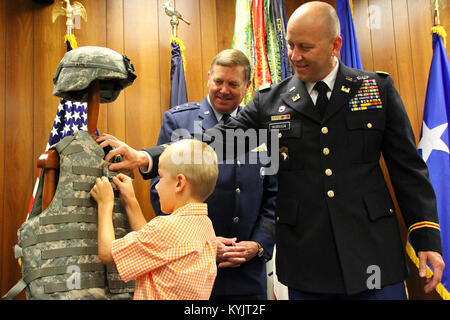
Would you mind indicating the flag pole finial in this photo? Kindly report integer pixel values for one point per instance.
(175, 16)
(437, 28)
(70, 11)
(437, 20)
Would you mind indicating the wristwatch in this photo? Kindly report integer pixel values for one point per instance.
(260, 250)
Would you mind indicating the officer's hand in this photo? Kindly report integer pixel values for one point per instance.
(228, 255)
(436, 262)
(250, 249)
(131, 158)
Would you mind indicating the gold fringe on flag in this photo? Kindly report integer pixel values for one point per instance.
(440, 31)
(72, 40)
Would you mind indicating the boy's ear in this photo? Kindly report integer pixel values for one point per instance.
(181, 183)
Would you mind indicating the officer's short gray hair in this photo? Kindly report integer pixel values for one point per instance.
(233, 58)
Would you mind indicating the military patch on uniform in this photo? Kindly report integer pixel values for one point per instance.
(280, 117)
(281, 109)
(345, 89)
(280, 126)
(296, 97)
(368, 97)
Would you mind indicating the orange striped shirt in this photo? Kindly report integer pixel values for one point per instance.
(171, 257)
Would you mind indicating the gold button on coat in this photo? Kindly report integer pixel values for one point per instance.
(328, 172)
(324, 130)
(330, 193)
(369, 125)
(326, 151)
(236, 219)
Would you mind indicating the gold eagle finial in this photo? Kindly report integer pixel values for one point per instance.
(174, 17)
(77, 9)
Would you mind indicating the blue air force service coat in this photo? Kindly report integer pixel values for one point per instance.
(242, 205)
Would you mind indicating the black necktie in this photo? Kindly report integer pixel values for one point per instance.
(322, 99)
(225, 118)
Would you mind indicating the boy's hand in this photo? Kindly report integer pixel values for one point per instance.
(125, 185)
(102, 191)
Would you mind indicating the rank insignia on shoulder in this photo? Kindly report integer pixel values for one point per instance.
(368, 97)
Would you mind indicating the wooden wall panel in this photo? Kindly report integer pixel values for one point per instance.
(209, 38)
(143, 97)
(115, 40)
(47, 55)
(2, 133)
(18, 168)
(191, 37)
(404, 55)
(226, 13)
(362, 28)
(420, 22)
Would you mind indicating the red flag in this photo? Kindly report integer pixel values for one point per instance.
(262, 71)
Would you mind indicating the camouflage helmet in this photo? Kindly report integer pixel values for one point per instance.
(79, 67)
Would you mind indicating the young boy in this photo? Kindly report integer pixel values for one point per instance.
(171, 257)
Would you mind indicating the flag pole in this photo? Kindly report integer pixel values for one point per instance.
(178, 91)
(437, 28)
(437, 20)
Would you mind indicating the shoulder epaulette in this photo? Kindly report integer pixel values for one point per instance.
(264, 87)
(186, 106)
(382, 73)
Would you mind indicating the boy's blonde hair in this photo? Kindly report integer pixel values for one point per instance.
(196, 161)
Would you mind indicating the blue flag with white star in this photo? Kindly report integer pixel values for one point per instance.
(350, 55)
(434, 142)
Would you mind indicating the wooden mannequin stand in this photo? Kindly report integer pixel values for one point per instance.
(50, 159)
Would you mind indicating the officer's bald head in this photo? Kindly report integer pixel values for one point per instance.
(319, 13)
